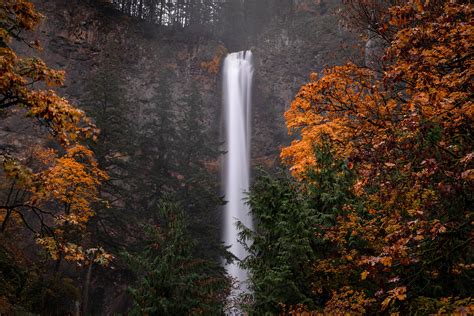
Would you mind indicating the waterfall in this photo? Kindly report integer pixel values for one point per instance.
(237, 86)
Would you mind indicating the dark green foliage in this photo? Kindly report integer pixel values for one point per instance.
(330, 186)
(173, 281)
(281, 253)
(105, 101)
(152, 150)
(199, 185)
(288, 216)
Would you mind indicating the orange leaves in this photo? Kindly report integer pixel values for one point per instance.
(408, 129)
(17, 76)
(437, 228)
(332, 106)
(66, 122)
(397, 294)
(72, 180)
(22, 12)
(214, 64)
(348, 301)
(438, 81)
(58, 189)
(69, 181)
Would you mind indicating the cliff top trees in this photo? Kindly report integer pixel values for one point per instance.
(175, 13)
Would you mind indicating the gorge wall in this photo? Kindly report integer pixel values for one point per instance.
(287, 49)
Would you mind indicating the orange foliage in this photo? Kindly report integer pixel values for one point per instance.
(214, 65)
(407, 131)
(17, 76)
(72, 180)
(58, 188)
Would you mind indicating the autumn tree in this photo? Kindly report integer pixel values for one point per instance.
(52, 190)
(404, 126)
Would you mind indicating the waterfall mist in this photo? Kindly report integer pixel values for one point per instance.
(237, 86)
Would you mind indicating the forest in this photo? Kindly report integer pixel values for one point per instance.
(114, 146)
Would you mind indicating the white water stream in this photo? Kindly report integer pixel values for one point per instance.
(237, 85)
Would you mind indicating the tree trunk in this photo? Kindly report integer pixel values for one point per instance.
(85, 299)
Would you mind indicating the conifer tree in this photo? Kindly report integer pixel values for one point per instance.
(171, 279)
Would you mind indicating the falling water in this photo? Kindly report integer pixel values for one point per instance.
(238, 74)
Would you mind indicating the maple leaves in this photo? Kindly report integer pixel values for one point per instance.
(406, 130)
(71, 179)
(18, 76)
(53, 194)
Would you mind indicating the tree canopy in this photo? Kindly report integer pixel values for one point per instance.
(402, 242)
(52, 189)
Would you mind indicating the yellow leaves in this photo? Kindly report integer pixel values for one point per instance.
(22, 175)
(398, 293)
(364, 275)
(76, 253)
(386, 303)
(385, 261)
(347, 301)
(50, 245)
(99, 256)
(73, 252)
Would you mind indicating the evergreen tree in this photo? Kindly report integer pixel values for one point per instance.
(172, 281)
(198, 189)
(105, 100)
(154, 162)
(289, 216)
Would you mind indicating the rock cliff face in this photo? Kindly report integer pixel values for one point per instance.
(78, 35)
(288, 50)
